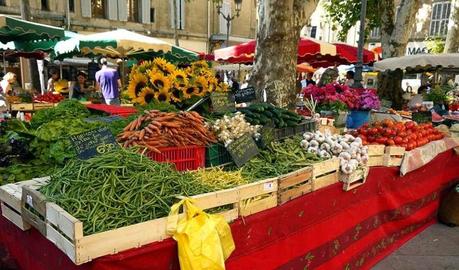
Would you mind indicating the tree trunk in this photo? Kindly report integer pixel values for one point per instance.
(394, 38)
(278, 34)
(452, 38)
(31, 63)
(176, 37)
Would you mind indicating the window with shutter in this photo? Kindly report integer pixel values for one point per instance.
(98, 8)
(72, 5)
(86, 7)
(133, 10)
(439, 18)
(180, 13)
(152, 15)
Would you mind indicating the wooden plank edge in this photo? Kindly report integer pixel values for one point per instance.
(64, 222)
(258, 206)
(258, 188)
(14, 217)
(293, 193)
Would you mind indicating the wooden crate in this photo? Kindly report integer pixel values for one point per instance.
(356, 179)
(257, 197)
(240, 201)
(10, 197)
(376, 155)
(294, 184)
(325, 173)
(394, 156)
(41, 106)
(66, 231)
(22, 107)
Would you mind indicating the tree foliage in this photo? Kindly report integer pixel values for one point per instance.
(346, 13)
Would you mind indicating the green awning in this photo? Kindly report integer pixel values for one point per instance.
(121, 44)
(13, 29)
(44, 45)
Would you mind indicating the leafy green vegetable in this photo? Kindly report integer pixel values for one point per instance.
(67, 109)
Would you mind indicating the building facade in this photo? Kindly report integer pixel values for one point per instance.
(200, 27)
(428, 34)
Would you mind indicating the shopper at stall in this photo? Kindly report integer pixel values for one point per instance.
(309, 79)
(81, 87)
(349, 78)
(416, 101)
(109, 83)
(54, 74)
(7, 83)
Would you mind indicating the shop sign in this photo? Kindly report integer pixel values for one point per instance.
(242, 150)
(93, 142)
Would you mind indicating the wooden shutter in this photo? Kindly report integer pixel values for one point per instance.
(86, 8)
(144, 11)
(182, 14)
(122, 10)
(111, 9)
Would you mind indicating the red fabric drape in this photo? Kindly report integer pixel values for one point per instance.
(326, 229)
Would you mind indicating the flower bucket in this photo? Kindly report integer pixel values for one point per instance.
(356, 119)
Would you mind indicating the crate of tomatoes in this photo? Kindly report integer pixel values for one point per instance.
(409, 134)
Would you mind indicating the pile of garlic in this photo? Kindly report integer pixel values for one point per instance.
(230, 128)
(347, 148)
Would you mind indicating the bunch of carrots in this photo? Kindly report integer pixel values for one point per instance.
(155, 129)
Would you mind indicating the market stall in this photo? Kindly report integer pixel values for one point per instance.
(316, 53)
(326, 229)
(84, 190)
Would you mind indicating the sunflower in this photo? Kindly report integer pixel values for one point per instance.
(165, 67)
(176, 94)
(146, 96)
(202, 84)
(213, 84)
(145, 66)
(222, 87)
(179, 78)
(199, 65)
(163, 96)
(136, 84)
(159, 62)
(190, 91)
(189, 72)
(159, 81)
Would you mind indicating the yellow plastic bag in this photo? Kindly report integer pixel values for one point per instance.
(204, 240)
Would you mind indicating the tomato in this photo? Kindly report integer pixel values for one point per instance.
(388, 123)
(371, 139)
(410, 124)
(390, 142)
(363, 131)
(404, 145)
(414, 137)
(405, 140)
(403, 134)
(381, 140)
(363, 137)
(373, 131)
(364, 142)
(398, 140)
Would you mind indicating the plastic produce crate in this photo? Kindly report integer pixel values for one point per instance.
(421, 117)
(305, 126)
(113, 109)
(216, 154)
(184, 158)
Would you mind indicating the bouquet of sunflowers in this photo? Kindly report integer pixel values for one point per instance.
(162, 81)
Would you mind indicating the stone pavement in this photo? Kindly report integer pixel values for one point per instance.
(436, 248)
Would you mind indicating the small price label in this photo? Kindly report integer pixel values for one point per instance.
(268, 186)
(29, 200)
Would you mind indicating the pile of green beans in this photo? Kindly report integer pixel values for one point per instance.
(117, 189)
(278, 159)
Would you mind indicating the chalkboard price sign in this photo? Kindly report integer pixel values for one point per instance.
(221, 102)
(242, 150)
(245, 95)
(93, 142)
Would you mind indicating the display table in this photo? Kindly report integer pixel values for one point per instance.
(326, 229)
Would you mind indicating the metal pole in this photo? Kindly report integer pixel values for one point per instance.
(359, 66)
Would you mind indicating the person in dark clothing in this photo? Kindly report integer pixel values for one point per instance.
(235, 85)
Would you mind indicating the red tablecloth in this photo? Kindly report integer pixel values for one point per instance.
(326, 229)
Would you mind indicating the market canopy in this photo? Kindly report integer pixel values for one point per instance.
(419, 62)
(314, 52)
(14, 29)
(121, 44)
